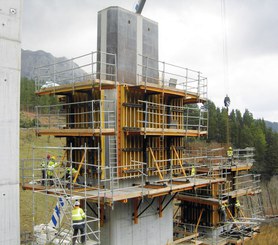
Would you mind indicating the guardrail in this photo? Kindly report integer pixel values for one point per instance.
(87, 67)
(173, 76)
(94, 114)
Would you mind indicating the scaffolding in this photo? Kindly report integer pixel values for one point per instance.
(58, 186)
(128, 144)
(239, 193)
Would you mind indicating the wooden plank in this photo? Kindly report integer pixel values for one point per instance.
(135, 205)
(157, 167)
(201, 200)
(180, 163)
(190, 97)
(79, 167)
(77, 86)
(184, 239)
(153, 186)
(74, 132)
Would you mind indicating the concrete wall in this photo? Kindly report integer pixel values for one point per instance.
(119, 228)
(10, 51)
(128, 34)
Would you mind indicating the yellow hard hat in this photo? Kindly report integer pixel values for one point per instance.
(230, 148)
(53, 158)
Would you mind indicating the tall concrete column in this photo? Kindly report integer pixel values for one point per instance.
(10, 53)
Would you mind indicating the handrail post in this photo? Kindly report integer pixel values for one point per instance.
(198, 88)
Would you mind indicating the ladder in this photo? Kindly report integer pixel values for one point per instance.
(113, 152)
(63, 219)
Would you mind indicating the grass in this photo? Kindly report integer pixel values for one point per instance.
(44, 205)
(267, 236)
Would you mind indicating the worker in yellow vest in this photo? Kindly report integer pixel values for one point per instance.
(78, 222)
(230, 155)
(193, 171)
(69, 177)
(237, 208)
(222, 210)
(70, 172)
(44, 165)
(50, 169)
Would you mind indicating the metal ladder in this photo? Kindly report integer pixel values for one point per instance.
(65, 230)
(113, 152)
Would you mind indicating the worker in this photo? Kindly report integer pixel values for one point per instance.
(237, 208)
(230, 155)
(50, 169)
(44, 165)
(70, 175)
(193, 171)
(223, 212)
(70, 172)
(78, 222)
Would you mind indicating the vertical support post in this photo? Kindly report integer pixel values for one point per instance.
(160, 206)
(135, 205)
(102, 138)
(120, 99)
(146, 118)
(101, 215)
(198, 88)
(92, 67)
(199, 124)
(186, 83)
(215, 214)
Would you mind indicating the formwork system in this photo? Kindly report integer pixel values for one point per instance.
(128, 143)
(236, 224)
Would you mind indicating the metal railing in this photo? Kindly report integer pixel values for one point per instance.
(173, 117)
(244, 156)
(87, 67)
(94, 114)
(171, 76)
(52, 183)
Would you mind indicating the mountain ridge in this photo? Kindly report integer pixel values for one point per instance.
(32, 59)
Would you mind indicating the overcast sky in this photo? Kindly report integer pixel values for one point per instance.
(191, 34)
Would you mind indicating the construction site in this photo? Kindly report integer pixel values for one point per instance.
(128, 123)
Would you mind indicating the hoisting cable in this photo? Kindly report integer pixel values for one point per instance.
(227, 100)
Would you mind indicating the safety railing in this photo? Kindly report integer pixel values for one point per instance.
(202, 233)
(244, 156)
(171, 76)
(247, 182)
(94, 114)
(87, 67)
(65, 180)
(173, 117)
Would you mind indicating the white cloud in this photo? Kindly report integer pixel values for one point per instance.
(190, 35)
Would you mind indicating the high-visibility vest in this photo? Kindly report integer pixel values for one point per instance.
(193, 171)
(50, 168)
(230, 153)
(78, 216)
(43, 164)
(71, 171)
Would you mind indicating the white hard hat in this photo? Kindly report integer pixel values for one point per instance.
(77, 203)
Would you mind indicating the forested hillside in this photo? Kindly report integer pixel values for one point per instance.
(244, 130)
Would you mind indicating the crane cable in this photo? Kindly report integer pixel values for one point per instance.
(225, 65)
(225, 47)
